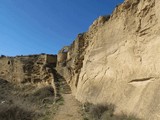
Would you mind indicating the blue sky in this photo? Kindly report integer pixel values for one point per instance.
(45, 26)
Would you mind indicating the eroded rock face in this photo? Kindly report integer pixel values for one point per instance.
(28, 69)
(118, 60)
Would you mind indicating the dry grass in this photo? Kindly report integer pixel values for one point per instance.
(25, 102)
(8, 112)
(103, 112)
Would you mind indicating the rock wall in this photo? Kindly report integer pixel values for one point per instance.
(37, 69)
(118, 60)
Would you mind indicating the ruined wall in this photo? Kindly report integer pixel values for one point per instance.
(28, 69)
(118, 61)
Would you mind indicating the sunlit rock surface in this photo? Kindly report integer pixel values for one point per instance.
(118, 60)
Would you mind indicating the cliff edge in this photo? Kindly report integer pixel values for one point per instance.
(117, 60)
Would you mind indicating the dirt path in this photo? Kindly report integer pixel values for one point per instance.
(70, 110)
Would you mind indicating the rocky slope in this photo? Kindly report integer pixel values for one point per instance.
(117, 60)
(38, 70)
(28, 87)
(32, 68)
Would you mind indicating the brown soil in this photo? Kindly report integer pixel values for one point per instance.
(69, 110)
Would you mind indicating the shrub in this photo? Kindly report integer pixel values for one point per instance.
(15, 113)
(3, 56)
(103, 112)
(45, 94)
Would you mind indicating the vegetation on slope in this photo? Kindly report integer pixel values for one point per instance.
(25, 102)
(103, 112)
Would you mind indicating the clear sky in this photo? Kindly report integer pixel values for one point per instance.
(45, 26)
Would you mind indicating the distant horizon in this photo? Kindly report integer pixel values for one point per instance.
(28, 55)
(35, 26)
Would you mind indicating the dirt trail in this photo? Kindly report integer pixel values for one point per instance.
(70, 110)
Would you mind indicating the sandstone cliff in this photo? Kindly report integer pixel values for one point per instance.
(117, 60)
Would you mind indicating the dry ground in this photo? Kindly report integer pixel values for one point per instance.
(70, 110)
(28, 102)
(25, 102)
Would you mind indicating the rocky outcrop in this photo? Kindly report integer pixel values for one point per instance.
(37, 69)
(117, 60)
